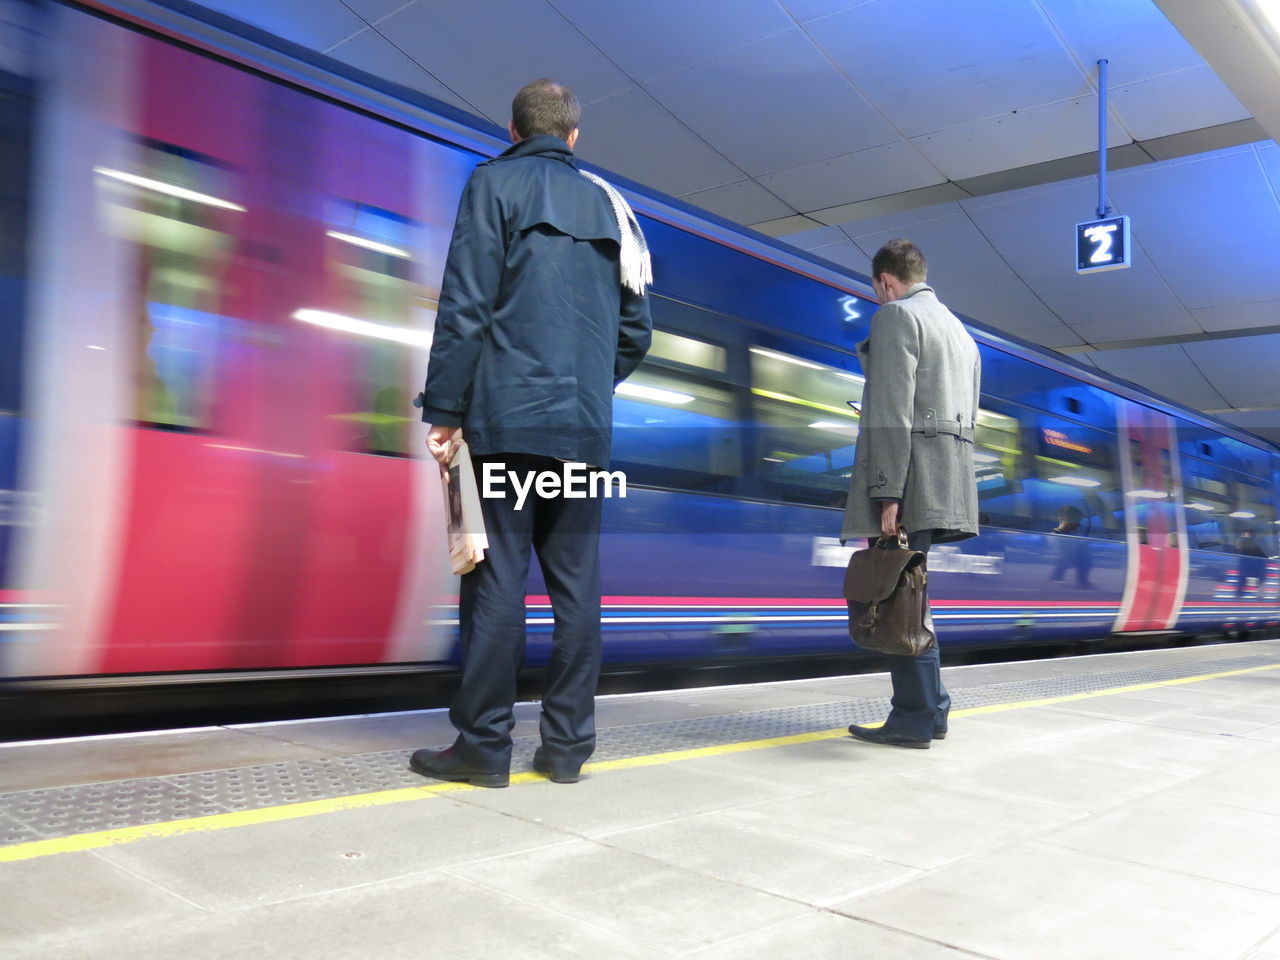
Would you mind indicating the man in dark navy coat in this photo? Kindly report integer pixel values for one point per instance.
(542, 313)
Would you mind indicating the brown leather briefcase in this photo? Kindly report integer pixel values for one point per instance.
(886, 588)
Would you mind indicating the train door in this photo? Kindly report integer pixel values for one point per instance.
(16, 116)
(385, 204)
(75, 392)
(232, 290)
(1155, 526)
(270, 486)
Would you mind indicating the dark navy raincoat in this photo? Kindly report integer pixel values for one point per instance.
(534, 328)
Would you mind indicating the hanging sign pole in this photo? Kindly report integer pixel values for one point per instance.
(1104, 208)
(1102, 244)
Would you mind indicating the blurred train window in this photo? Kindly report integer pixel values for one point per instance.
(370, 254)
(1205, 443)
(177, 208)
(1040, 472)
(1032, 385)
(806, 419)
(696, 269)
(1226, 510)
(17, 111)
(675, 420)
(997, 457)
(686, 351)
(1251, 460)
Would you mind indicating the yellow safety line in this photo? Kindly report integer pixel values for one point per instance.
(294, 811)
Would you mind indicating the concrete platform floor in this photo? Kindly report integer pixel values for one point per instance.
(1139, 819)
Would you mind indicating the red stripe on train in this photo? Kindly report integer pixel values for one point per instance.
(638, 601)
(1155, 591)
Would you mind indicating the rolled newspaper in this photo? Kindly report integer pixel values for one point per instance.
(463, 519)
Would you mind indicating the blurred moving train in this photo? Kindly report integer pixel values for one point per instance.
(219, 264)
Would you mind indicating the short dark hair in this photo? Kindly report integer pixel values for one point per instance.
(545, 107)
(902, 259)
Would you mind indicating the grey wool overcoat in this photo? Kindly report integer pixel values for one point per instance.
(915, 434)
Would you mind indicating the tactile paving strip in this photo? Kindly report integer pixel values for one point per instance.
(12, 832)
(1065, 685)
(247, 788)
(63, 811)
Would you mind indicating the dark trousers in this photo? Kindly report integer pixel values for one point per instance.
(565, 534)
(920, 702)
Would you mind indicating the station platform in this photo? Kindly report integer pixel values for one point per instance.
(1112, 806)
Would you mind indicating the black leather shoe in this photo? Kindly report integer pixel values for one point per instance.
(888, 737)
(939, 733)
(447, 765)
(556, 773)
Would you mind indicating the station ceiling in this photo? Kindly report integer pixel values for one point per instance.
(969, 126)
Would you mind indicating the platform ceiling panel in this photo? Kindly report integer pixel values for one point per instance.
(744, 201)
(953, 68)
(1211, 224)
(806, 10)
(373, 53)
(874, 172)
(656, 37)
(1165, 369)
(1269, 156)
(1026, 225)
(902, 220)
(374, 10)
(1136, 38)
(318, 24)
(1221, 274)
(847, 254)
(1027, 229)
(1035, 135)
(488, 49)
(772, 105)
(1135, 304)
(1239, 316)
(1187, 100)
(1242, 370)
(817, 237)
(1175, 202)
(634, 135)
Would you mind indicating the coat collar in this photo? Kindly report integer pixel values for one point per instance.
(543, 145)
(864, 347)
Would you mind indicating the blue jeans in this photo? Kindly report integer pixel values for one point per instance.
(920, 702)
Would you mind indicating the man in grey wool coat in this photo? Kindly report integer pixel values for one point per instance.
(914, 460)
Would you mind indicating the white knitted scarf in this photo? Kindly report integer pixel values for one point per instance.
(637, 270)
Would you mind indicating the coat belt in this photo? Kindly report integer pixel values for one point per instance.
(930, 425)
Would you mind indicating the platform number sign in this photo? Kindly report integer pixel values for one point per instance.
(1102, 245)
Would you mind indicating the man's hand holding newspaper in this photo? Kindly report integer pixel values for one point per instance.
(464, 521)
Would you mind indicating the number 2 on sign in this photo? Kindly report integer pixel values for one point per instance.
(1101, 237)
